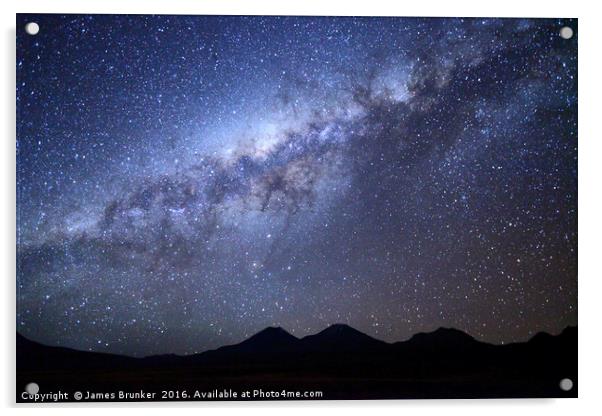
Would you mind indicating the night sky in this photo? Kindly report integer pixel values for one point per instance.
(184, 182)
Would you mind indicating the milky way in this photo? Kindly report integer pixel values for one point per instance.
(184, 182)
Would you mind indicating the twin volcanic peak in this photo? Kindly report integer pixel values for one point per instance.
(335, 336)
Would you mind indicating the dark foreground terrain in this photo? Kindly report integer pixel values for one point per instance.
(339, 362)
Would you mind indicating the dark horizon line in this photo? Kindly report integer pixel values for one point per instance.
(342, 325)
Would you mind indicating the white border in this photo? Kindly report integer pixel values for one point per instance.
(590, 177)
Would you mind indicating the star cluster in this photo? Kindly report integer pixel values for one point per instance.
(185, 181)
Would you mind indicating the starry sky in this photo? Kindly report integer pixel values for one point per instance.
(185, 181)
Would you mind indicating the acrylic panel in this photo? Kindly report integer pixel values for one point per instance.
(295, 208)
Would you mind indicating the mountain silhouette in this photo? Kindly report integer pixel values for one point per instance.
(340, 338)
(268, 340)
(33, 355)
(442, 339)
(340, 360)
(266, 345)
